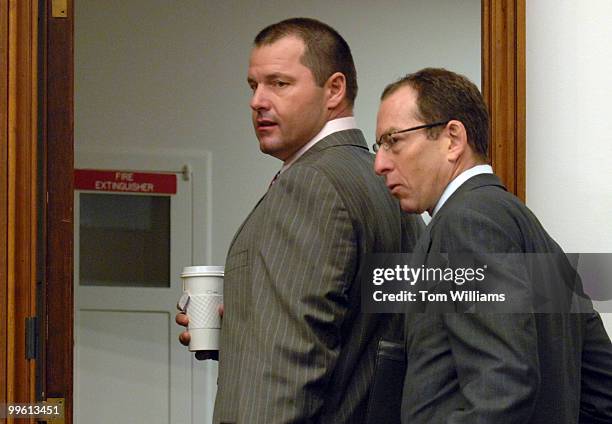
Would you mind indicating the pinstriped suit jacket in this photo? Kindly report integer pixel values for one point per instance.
(294, 345)
(499, 368)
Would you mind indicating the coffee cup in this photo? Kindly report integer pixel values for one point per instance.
(204, 287)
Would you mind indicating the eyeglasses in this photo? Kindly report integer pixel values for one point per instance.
(386, 141)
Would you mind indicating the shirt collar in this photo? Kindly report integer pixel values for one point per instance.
(460, 179)
(330, 127)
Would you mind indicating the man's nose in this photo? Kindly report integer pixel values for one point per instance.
(259, 99)
(382, 163)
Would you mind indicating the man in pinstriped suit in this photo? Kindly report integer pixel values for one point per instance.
(295, 347)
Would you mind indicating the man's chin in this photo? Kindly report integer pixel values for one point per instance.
(408, 206)
(272, 150)
(267, 147)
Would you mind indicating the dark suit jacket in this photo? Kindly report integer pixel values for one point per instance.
(501, 368)
(294, 346)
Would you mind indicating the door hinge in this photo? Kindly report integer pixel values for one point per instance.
(59, 8)
(31, 337)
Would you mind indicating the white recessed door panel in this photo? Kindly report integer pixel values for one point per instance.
(130, 249)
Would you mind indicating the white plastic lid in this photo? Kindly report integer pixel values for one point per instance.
(202, 271)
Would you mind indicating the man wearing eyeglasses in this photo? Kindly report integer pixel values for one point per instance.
(432, 143)
(295, 347)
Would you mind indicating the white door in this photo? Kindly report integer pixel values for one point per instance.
(129, 252)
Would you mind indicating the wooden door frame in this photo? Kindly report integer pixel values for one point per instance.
(18, 195)
(503, 86)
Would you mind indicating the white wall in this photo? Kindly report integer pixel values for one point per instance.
(569, 122)
(172, 74)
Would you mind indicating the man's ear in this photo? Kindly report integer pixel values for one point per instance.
(335, 88)
(458, 145)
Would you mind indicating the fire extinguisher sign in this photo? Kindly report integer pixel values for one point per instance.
(124, 181)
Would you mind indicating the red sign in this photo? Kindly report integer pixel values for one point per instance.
(124, 181)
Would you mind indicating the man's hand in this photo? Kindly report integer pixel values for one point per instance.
(184, 337)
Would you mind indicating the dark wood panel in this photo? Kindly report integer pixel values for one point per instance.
(41, 252)
(521, 108)
(24, 208)
(59, 171)
(3, 196)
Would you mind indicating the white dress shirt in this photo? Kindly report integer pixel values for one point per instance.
(330, 127)
(460, 179)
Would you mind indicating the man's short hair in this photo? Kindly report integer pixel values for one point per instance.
(325, 53)
(444, 95)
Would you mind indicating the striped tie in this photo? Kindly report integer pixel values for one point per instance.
(274, 179)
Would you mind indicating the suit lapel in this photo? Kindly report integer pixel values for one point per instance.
(353, 137)
(476, 182)
(245, 221)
